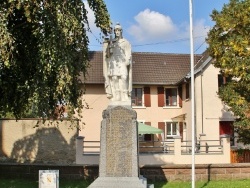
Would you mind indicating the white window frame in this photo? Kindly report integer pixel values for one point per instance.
(169, 137)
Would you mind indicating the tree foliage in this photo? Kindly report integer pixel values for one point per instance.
(229, 45)
(43, 51)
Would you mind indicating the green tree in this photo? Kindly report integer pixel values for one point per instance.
(229, 45)
(43, 51)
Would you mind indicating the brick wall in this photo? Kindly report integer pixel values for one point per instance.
(152, 173)
(203, 172)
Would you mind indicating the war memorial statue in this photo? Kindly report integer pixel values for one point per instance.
(118, 164)
(117, 67)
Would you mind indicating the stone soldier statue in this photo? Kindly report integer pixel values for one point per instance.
(117, 67)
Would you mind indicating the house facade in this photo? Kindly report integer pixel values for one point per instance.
(161, 97)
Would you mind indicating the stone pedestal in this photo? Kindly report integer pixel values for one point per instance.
(119, 149)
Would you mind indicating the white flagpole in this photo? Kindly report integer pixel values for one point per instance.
(192, 90)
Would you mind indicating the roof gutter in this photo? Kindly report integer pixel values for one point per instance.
(208, 60)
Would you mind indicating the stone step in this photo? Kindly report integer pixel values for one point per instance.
(117, 182)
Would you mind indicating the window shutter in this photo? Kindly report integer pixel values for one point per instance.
(187, 90)
(147, 99)
(148, 123)
(180, 95)
(181, 130)
(161, 125)
(160, 96)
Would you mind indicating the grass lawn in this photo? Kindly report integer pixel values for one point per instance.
(24, 183)
(21, 183)
(210, 184)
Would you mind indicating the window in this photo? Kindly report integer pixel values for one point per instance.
(145, 137)
(222, 80)
(168, 97)
(171, 129)
(171, 96)
(136, 97)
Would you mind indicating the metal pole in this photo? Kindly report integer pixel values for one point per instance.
(192, 90)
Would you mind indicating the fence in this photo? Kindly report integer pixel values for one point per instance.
(177, 152)
(203, 146)
(92, 147)
(240, 156)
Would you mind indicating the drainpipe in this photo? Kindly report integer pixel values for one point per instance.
(202, 104)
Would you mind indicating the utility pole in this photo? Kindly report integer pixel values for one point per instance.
(192, 89)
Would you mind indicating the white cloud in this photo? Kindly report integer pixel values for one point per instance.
(200, 33)
(200, 29)
(151, 25)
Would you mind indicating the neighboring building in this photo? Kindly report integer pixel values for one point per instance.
(161, 96)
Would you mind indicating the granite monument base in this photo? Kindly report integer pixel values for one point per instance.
(118, 166)
(117, 182)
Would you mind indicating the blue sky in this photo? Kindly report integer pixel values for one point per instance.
(159, 25)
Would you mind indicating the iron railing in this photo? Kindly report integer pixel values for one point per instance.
(201, 147)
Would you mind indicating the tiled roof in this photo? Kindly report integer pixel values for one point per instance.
(200, 63)
(148, 68)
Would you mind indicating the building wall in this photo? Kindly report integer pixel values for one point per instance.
(209, 108)
(186, 109)
(155, 114)
(96, 99)
(23, 142)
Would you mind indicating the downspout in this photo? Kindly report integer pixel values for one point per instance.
(201, 103)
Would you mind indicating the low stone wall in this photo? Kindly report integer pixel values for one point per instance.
(30, 141)
(207, 172)
(152, 173)
(31, 171)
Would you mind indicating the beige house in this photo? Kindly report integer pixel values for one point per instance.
(161, 98)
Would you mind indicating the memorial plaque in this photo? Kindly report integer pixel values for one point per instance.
(119, 157)
(48, 178)
(119, 138)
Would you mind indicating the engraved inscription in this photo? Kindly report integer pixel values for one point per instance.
(119, 143)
